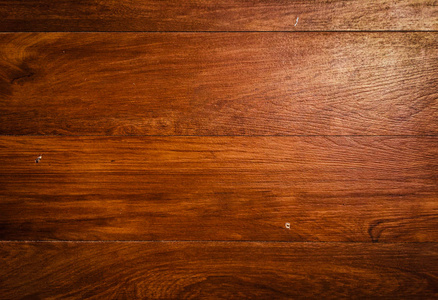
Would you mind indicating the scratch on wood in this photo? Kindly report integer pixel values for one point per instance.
(14, 80)
(375, 235)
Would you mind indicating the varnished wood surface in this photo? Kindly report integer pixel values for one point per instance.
(225, 149)
(219, 188)
(228, 15)
(219, 83)
(214, 270)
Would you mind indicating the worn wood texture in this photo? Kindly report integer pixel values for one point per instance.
(215, 270)
(228, 15)
(219, 188)
(219, 83)
(264, 149)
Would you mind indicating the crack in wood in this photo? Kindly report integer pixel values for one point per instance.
(14, 80)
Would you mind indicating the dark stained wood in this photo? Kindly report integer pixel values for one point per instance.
(219, 83)
(229, 15)
(215, 270)
(219, 188)
(230, 149)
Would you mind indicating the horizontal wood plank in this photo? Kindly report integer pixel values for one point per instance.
(215, 270)
(219, 84)
(219, 188)
(229, 15)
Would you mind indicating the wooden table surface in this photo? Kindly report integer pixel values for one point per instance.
(226, 149)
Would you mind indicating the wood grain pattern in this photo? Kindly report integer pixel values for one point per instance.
(219, 83)
(230, 149)
(229, 15)
(218, 271)
(219, 188)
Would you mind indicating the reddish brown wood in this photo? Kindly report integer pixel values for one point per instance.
(301, 140)
(218, 270)
(229, 15)
(219, 188)
(219, 83)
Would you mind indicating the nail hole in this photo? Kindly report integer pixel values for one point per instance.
(38, 158)
(287, 225)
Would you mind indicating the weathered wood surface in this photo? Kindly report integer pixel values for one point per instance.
(225, 149)
(218, 270)
(222, 15)
(219, 83)
(219, 188)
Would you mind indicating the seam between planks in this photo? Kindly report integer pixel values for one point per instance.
(225, 135)
(232, 31)
(204, 241)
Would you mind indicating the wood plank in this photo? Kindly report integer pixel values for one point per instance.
(213, 270)
(219, 188)
(219, 84)
(229, 15)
